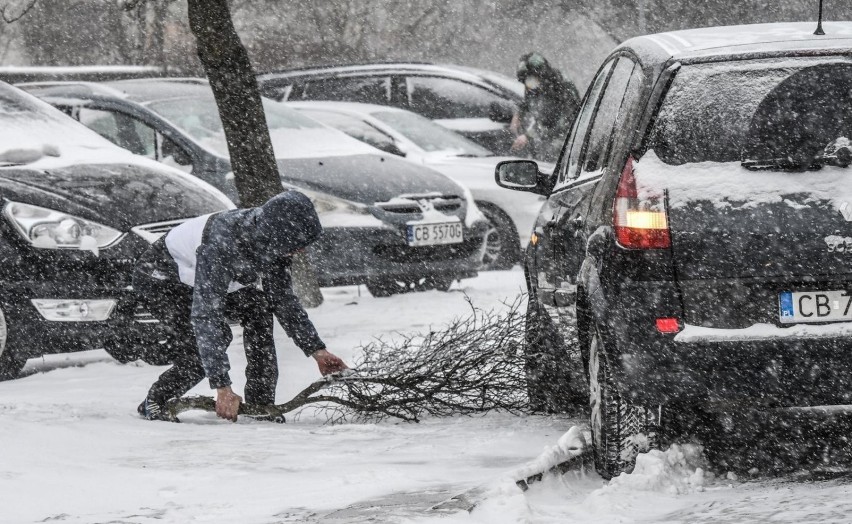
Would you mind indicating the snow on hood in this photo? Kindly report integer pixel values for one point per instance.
(42, 141)
(729, 185)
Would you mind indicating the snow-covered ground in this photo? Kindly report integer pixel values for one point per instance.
(73, 450)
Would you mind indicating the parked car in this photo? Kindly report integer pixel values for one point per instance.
(76, 213)
(478, 104)
(697, 233)
(389, 224)
(421, 141)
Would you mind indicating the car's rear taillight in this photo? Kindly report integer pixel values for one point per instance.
(639, 223)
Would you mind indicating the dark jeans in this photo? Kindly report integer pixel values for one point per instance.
(170, 302)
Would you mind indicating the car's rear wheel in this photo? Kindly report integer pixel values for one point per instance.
(549, 365)
(502, 249)
(620, 430)
(10, 363)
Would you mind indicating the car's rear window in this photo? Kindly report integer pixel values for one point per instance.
(760, 112)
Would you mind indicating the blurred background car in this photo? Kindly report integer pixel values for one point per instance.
(422, 141)
(76, 213)
(389, 224)
(478, 104)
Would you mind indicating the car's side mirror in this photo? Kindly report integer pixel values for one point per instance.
(520, 175)
(500, 113)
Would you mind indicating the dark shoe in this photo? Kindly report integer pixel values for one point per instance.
(151, 410)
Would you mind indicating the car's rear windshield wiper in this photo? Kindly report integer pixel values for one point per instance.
(791, 165)
(777, 164)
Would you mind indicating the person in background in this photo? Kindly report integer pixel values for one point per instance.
(233, 264)
(550, 105)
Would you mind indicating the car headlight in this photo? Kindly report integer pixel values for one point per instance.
(325, 204)
(49, 229)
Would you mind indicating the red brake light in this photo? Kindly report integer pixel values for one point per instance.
(639, 224)
(668, 325)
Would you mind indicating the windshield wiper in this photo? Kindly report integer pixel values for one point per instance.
(778, 164)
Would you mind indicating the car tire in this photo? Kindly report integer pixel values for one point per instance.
(119, 352)
(387, 287)
(620, 430)
(384, 288)
(10, 363)
(127, 350)
(554, 379)
(502, 248)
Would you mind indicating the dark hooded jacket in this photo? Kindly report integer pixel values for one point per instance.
(548, 112)
(249, 247)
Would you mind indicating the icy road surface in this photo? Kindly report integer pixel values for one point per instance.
(72, 450)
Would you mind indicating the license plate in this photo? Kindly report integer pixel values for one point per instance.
(434, 234)
(815, 306)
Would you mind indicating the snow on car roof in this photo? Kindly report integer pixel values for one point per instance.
(29, 125)
(716, 41)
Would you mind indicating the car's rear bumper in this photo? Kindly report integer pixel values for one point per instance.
(766, 364)
(725, 369)
(346, 256)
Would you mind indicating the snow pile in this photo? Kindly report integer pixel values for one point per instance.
(570, 445)
(677, 470)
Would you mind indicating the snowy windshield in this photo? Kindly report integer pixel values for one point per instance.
(764, 113)
(199, 118)
(29, 125)
(428, 135)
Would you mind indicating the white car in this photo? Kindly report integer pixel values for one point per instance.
(422, 141)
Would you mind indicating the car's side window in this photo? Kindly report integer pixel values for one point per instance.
(121, 129)
(437, 98)
(366, 89)
(606, 120)
(574, 146)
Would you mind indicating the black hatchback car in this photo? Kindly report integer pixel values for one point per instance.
(75, 213)
(388, 223)
(698, 233)
(475, 103)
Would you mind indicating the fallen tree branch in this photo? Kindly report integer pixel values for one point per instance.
(473, 365)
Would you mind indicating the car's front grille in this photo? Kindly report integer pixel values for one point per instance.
(418, 204)
(152, 232)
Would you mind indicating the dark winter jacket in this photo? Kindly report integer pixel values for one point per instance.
(220, 253)
(548, 113)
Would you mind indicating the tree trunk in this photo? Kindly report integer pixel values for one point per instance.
(227, 65)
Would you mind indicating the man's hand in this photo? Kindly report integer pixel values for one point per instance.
(227, 403)
(328, 363)
(520, 143)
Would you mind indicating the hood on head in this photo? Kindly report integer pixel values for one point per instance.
(285, 224)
